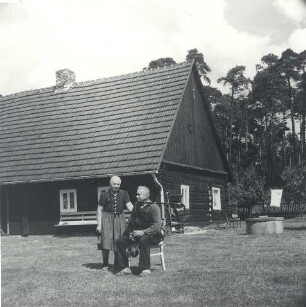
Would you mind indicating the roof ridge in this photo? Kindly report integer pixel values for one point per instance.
(44, 89)
(37, 90)
(135, 73)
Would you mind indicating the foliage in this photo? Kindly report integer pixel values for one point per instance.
(202, 66)
(289, 69)
(236, 80)
(212, 94)
(294, 183)
(161, 62)
(221, 115)
(248, 189)
(239, 85)
(258, 124)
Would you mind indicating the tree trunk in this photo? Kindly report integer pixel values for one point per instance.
(246, 130)
(303, 132)
(230, 131)
(292, 123)
(303, 141)
(239, 151)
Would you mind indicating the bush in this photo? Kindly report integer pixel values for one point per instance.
(294, 179)
(248, 190)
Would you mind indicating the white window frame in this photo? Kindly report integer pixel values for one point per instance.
(185, 195)
(68, 191)
(216, 198)
(100, 189)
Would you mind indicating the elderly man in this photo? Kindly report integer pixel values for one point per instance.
(111, 218)
(145, 229)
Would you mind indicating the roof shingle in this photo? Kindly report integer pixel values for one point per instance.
(115, 125)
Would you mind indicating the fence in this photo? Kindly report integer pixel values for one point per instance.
(286, 210)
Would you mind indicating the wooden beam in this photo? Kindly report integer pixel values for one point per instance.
(195, 167)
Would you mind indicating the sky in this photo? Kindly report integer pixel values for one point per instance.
(99, 38)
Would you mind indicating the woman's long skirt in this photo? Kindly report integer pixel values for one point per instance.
(112, 227)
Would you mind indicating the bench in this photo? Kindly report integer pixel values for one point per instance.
(78, 218)
(83, 218)
(233, 221)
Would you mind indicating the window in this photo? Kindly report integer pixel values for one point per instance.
(185, 195)
(100, 189)
(68, 200)
(216, 197)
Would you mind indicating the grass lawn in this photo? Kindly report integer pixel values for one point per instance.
(210, 267)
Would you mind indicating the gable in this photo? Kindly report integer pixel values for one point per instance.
(193, 141)
(110, 126)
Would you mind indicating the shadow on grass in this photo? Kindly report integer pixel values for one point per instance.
(282, 280)
(302, 300)
(98, 266)
(295, 228)
(220, 228)
(66, 235)
(93, 266)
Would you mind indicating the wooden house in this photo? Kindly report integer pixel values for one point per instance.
(61, 144)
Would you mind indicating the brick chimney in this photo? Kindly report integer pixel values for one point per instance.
(65, 78)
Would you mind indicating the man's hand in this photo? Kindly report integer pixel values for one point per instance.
(98, 229)
(138, 233)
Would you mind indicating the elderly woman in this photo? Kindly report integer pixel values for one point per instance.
(111, 218)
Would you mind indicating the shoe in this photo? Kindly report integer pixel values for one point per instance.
(145, 273)
(125, 271)
(105, 267)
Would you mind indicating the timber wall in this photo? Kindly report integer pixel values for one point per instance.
(192, 141)
(199, 182)
(40, 202)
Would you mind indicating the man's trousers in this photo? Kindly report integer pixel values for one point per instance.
(144, 250)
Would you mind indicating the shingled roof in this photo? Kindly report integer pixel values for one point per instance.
(116, 125)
